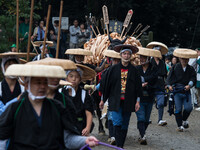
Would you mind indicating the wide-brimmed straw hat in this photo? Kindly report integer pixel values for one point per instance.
(120, 47)
(111, 54)
(35, 71)
(39, 43)
(185, 53)
(22, 61)
(88, 73)
(164, 48)
(149, 52)
(65, 64)
(78, 51)
(7, 54)
(63, 82)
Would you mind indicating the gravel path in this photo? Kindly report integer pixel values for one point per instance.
(160, 138)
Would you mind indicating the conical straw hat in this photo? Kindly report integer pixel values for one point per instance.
(63, 82)
(78, 51)
(35, 71)
(163, 50)
(88, 73)
(149, 52)
(185, 53)
(7, 54)
(111, 54)
(65, 64)
(38, 43)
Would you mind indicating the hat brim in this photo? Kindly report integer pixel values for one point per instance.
(7, 54)
(185, 53)
(164, 48)
(63, 82)
(149, 52)
(65, 64)
(78, 51)
(111, 54)
(35, 71)
(120, 47)
(88, 73)
(38, 43)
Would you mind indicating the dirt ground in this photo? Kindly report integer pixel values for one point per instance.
(160, 138)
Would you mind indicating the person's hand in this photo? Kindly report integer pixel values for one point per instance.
(144, 84)
(187, 87)
(91, 141)
(86, 131)
(101, 104)
(137, 106)
(170, 88)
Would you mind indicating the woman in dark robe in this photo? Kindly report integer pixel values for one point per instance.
(181, 78)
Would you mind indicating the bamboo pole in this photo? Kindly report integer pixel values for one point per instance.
(46, 30)
(17, 25)
(59, 28)
(30, 30)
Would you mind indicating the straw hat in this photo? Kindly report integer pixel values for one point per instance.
(65, 64)
(185, 53)
(35, 71)
(149, 52)
(63, 82)
(111, 53)
(163, 50)
(88, 73)
(38, 43)
(120, 47)
(7, 54)
(78, 51)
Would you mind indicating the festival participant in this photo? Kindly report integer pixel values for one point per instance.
(13, 48)
(181, 78)
(79, 55)
(53, 83)
(114, 59)
(122, 87)
(35, 121)
(160, 84)
(149, 77)
(80, 97)
(9, 86)
(47, 53)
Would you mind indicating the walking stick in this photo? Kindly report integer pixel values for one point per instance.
(59, 28)
(127, 20)
(17, 26)
(46, 30)
(30, 30)
(105, 17)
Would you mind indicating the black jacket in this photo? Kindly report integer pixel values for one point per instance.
(178, 76)
(111, 82)
(151, 77)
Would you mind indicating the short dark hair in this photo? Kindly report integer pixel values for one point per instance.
(56, 22)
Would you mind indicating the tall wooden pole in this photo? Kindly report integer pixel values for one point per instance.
(17, 25)
(46, 30)
(59, 28)
(30, 29)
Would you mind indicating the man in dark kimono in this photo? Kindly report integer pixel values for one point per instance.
(122, 87)
(181, 78)
(36, 122)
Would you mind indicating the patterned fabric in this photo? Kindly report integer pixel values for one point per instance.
(124, 74)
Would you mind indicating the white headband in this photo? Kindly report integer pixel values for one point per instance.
(123, 50)
(78, 70)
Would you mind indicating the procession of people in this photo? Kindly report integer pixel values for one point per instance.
(50, 103)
